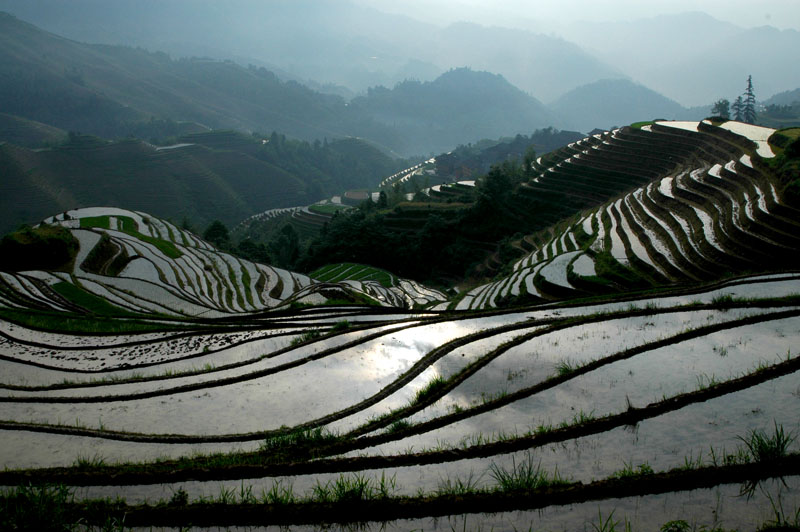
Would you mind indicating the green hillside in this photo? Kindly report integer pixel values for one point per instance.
(220, 175)
(28, 133)
(101, 89)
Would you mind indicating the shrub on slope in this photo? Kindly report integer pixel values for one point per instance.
(41, 248)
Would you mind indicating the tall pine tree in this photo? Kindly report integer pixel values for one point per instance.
(749, 111)
(738, 109)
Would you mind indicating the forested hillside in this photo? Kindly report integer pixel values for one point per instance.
(218, 175)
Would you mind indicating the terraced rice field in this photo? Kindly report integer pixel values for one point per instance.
(354, 272)
(545, 417)
(696, 201)
(162, 383)
(147, 266)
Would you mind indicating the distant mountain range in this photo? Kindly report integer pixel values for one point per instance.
(329, 41)
(119, 91)
(617, 102)
(439, 112)
(666, 50)
(339, 47)
(112, 91)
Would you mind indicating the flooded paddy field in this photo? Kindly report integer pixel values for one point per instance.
(412, 414)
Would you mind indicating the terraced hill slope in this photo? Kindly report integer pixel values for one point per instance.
(694, 202)
(129, 263)
(181, 385)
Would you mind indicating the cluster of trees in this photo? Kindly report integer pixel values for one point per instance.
(441, 245)
(743, 107)
(49, 247)
(283, 249)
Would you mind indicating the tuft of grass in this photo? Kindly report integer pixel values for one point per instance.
(525, 476)
(307, 336)
(631, 471)
(723, 299)
(676, 526)
(180, 497)
(609, 524)
(346, 488)
(89, 462)
(579, 418)
(704, 381)
(279, 494)
(565, 367)
(340, 326)
(763, 447)
(458, 486)
(431, 389)
(297, 445)
(398, 426)
(41, 508)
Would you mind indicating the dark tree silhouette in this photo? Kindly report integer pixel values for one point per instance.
(738, 109)
(721, 108)
(749, 111)
(217, 234)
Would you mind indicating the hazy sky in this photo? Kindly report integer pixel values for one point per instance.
(783, 14)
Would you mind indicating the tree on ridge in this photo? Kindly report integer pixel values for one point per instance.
(738, 109)
(721, 108)
(749, 110)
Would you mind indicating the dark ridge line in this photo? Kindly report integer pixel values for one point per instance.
(232, 365)
(440, 318)
(128, 380)
(116, 475)
(188, 322)
(252, 319)
(181, 314)
(135, 343)
(26, 298)
(226, 367)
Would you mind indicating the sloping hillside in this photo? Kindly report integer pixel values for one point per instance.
(219, 175)
(29, 133)
(696, 201)
(133, 263)
(99, 89)
(184, 385)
